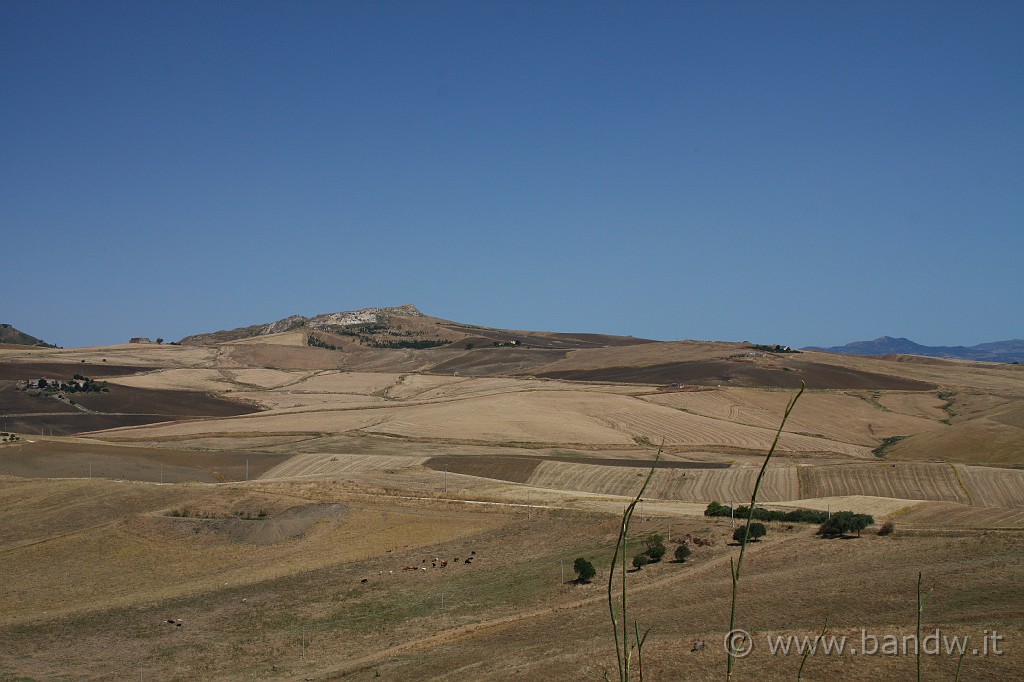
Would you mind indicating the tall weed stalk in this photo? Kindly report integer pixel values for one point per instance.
(736, 566)
(623, 647)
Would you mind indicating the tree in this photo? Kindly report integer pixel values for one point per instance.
(757, 530)
(655, 547)
(640, 560)
(584, 570)
(159, 340)
(682, 553)
(469, 346)
(845, 522)
(41, 383)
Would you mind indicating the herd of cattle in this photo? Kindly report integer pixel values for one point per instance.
(436, 562)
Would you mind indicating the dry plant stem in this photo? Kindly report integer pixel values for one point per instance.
(736, 567)
(803, 661)
(920, 608)
(622, 649)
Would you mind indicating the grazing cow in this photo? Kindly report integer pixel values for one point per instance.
(443, 564)
(409, 568)
(423, 568)
(468, 561)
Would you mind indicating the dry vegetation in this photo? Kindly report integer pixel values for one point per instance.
(365, 461)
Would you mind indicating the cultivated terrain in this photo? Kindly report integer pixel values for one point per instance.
(384, 494)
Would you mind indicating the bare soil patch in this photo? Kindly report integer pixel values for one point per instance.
(287, 525)
(729, 373)
(22, 371)
(50, 458)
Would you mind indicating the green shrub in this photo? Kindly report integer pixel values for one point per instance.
(682, 553)
(585, 570)
(640, 560)
(845, 522)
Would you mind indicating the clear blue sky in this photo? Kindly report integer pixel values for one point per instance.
(791, 172)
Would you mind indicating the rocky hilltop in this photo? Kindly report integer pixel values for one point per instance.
(321, 322)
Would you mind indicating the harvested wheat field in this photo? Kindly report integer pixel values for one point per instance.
(400, 521)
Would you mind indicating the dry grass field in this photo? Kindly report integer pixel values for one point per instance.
(364, 461)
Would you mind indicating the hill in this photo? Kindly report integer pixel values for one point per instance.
(260, 507)
(11, 335)
(998, 351)
(402, 327)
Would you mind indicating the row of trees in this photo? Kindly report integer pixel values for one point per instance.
(834, 525)
(793, 516)
(654, 552)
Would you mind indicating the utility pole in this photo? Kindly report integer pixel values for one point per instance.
(247, 468)
(732, 513)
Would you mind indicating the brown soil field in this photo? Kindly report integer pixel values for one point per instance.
(72, 458)
(520, 468)
(732, 373)
(69, 423)
(15, 401)
(25, 371)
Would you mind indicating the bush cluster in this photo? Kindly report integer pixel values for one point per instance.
(845, 522)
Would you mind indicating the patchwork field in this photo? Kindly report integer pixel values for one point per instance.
(261, 509)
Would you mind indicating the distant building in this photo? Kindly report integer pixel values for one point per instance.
(139, 339)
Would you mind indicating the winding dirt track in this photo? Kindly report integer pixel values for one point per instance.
(473, 629)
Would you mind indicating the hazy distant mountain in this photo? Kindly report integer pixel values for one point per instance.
(9, 334)
(998, 351)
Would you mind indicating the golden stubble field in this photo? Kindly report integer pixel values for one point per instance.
(357, 475)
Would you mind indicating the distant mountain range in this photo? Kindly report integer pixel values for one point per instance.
(998, 351)
(9, 334)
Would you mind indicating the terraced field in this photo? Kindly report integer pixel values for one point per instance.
(685, 485)
(990, 487)
(948, 515)
(936, 482)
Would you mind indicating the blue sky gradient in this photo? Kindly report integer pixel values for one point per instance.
(798, 173)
